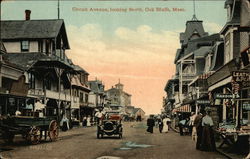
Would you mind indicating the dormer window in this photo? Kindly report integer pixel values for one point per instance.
(25, 46)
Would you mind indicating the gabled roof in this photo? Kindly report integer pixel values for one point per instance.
(33, 29)
(192, 27)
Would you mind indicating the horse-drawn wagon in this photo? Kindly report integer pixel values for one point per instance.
(32, 129)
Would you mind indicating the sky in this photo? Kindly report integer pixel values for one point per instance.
(126, 40)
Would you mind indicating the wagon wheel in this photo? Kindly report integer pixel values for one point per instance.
(34, 135)
(53, 131)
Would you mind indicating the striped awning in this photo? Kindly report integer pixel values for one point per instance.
(206, 75)
(183, 108)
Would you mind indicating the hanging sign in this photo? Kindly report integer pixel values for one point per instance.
(242, 78)
(226, 96)
(203, 102)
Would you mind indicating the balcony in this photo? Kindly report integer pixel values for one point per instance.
(188, 76)
(64, 95)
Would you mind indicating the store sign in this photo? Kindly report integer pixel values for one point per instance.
(246, 106)
(203, 102)
(242, 78)
(226, 96)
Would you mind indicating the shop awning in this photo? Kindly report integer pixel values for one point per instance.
(221, 83)
(201, 77)
(184, 108)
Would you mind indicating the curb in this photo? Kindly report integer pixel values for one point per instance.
(224, 154)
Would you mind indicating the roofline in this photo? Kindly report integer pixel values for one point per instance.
(186, 56)
(57, 33)
(227, 25)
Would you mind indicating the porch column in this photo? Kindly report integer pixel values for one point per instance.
(70, 76)
(59, 73)
(224, 109)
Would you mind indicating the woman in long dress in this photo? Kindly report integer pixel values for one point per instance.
(207, 142)
(165, 125)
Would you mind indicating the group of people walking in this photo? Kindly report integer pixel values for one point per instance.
(162, 123)
(200, 126)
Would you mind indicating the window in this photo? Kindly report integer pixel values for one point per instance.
(81, 97)
(86, 98)
(47, 83)
(40, 46)
(24, 45)
(31, 81)
(47, 47)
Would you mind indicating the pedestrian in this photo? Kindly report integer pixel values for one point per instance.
(150, 124)
(160, 123)
(198, 127)
(207, 141)
(181, 125)
(191, 124)
(84, 121)
(88, 121)
(165, 125)
(64, 123)
(168, 122)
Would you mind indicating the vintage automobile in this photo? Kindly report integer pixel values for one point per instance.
(110, 125)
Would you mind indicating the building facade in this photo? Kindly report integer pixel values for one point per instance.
(39, 50)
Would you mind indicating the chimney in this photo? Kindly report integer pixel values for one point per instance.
(27, 14)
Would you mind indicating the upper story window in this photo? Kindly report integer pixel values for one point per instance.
(25, 45)
(188, 69)
(48, 84)
(31, 81)
(81, 97)
(86, 98)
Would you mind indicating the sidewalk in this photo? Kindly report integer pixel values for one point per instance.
(222, 151)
